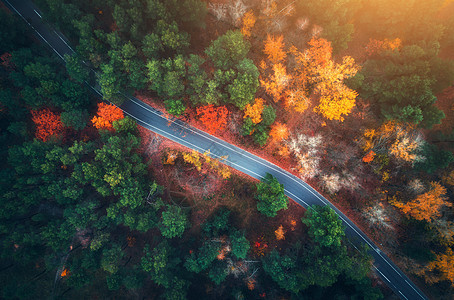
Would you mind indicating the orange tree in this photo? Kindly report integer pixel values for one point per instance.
(106, 115)
(213, 118)
(274, 48)
(47, 124)
(426, 206)
(440, 269)
(279, 132)
(248, 23)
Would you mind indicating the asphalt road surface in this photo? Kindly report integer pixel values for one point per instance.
(237, 158)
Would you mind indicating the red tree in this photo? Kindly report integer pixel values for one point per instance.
(213, 118)
(106, 115)
(47, 124)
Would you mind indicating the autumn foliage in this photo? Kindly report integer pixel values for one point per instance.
(279, 132)
(248, 23)
(274, 48)
(170, 158)
(426, 206)
(319, 53)
(47, 123)
(106, 115)
(64, 273)
(400, 140)
(254, 111)
(440, 269)
(5, 60)
(213, 118)
(369, 157)
(316, 71)
(376, 46)
(296, 99)
(277, 81)
(196, 159)
(280, 233)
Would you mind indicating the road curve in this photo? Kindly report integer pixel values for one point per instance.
(237, 158)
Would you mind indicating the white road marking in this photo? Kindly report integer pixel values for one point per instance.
(275, 168)
(35, 30)
(249, 155)
(64, 41)
(382, 274)
(402, 294)
(38, 13)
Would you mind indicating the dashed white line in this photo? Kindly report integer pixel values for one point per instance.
(402, 295)
(64, 41)
(38, 13)
(35, 29)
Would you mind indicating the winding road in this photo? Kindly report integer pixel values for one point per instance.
(238, 158)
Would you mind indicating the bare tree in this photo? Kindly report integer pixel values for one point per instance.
(306, 151)
(219, 11)
(236, 11)
(302, 23)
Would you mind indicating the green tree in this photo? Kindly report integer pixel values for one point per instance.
(260, 135)
(18, 128)
(76, 119)
(218, 224)
(175, 107)
(243, 87)
(248, 127)
(434, 159)
(177, 291)
(137, 75)
(111, 259)
(198, 82)
(160, 263)
(325, 227)
(125, 125)
(110, 83)
(240, 244)
(283, 270)
(197, 262)
(402, 81)
(228, 50)
(271, 196)
(334, 17)
(268, 115)
(12, 32)
(76, 96)
(173, 223)
(76, 69)
(218, 272)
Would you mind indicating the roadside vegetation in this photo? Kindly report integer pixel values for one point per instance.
(355, 98)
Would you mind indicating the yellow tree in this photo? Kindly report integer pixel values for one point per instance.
(336, 102)
(426, 206)
(248, 23)
(336, 98)
(315, 68)
(193, 158)
(254, 111)
(296, 99)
